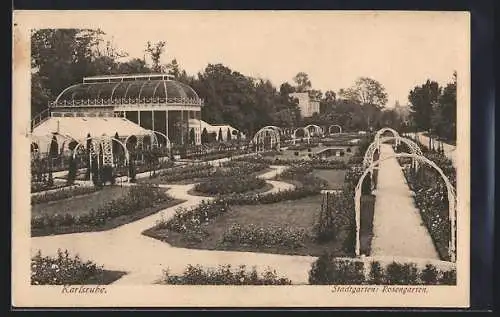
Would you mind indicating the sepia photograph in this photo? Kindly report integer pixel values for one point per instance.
(262, 158)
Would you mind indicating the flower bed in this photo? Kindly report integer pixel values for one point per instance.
(37, 187)
(225, 275)
(226, 185)
(63, 193)
(141, 201)
(314, 163)
(431, 199)
(205, 170)
(269, 236)
(66, 270)
(181, 173)
(327, 270)
(218, 154)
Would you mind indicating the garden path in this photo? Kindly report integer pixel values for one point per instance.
(397, 225)
(144, 259)
(449, 150)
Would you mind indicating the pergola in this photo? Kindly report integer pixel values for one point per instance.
(271, 133)
(449, 187)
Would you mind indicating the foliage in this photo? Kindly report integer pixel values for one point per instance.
(435, 107)
(366, 91)
(401, 274)
(270, 236)
(62, 270)
(225, 275)
(328, 270)
(422, 99)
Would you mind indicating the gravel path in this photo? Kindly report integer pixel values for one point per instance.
(397, 225)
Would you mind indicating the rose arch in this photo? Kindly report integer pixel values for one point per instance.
(334, 126)
(383, 130)
(449, 187)
(306, 134)
(99, 144)
(272, 133)
(375, 146)
(316, 129)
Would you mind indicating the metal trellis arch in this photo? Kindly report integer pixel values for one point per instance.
(449, 187)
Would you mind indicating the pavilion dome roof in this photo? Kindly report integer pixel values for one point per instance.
(124, 87)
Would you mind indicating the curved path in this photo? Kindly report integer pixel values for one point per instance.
(144, 259)
(449, 150)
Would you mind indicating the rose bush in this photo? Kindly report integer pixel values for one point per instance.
(225, 275)
(62, 270)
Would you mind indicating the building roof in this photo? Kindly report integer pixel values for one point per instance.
(79, 127)
(124, 87)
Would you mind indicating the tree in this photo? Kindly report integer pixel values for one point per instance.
(133, 66)
(192, 136)
(444, 117)
(366, 91)
(60, 57)
(302, 82)
(219, 138)
(173, 69)
(422, 100)
(204, 136)
(228, 135)
(155, 50)
(89, 156)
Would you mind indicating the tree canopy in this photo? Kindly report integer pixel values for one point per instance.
(62, 57)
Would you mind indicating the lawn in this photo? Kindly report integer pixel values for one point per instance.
(297, 214)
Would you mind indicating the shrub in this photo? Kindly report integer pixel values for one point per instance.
(401, 274)
(62, 270)
(225, 275)
(271, 236)
(448, 278)
(376, 275)
(429, 274)
(327, 270)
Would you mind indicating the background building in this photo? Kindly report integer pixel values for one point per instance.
(308, 106)
(124, 104)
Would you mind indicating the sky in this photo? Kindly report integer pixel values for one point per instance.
(398, 49)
